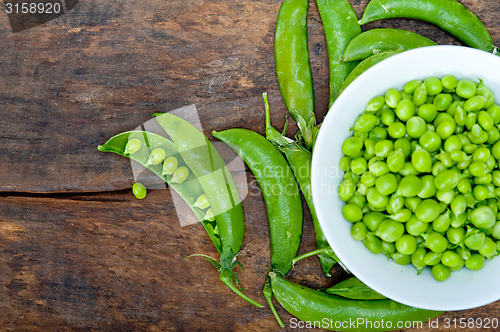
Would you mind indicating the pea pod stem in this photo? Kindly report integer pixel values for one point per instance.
(268, 294)
(293, 69)
(449, 15)
(375, 41)
(300, 161)
(316, 306)
(340, 26)
(226, 276)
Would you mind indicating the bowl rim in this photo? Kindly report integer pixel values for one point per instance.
(322, 143)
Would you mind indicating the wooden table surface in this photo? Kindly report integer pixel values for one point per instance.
(77, 251)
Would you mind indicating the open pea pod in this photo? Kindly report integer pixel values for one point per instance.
(189, 190)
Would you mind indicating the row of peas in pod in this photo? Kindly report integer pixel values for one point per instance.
(170, 169)
(422, 182)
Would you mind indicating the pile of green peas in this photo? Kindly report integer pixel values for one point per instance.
(170, 169)
(422, 181)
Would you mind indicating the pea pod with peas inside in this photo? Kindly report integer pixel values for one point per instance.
(340, 25)
(138, 146)
(293, 70)
(324, 310)
(207, 165)
(450, 15)
(375, 41)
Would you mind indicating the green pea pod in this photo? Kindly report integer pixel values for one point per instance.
(211, 171)
(300, 161)
(293, 69)
(340, 24)
(380, 40)
(189, 190)
(355, 289)
(324, 310)
(365, 64)
(279, 188)
(449, 15)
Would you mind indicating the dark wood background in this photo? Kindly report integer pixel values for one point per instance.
(77, 251)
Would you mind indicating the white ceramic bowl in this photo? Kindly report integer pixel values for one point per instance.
(464, 289)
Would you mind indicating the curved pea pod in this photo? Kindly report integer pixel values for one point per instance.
(279, 189)
(449, 15)
(300, 161)
(291, 57)
(206, 163)
(365, 64)
(189, 190)
(316, 307)
(340, 25)
(354, 289)
(375, 41)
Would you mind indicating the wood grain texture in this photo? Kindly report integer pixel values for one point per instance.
(88, 256)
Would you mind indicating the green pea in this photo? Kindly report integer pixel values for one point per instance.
(442, 223)
(432, 258)
(352, 146)
(411, 86)
(475, 241)
(428, 188)
(388, 248)
(406, 244)
(483, 217)
(480, 192)
(209, 215)
(387, 116)
(427, 210)
(475, 103)
(376, 199)
(401, 259)
(396, 130)
(495, 232)
(458, 204)
(359, 231)
(202, 202)
(445, 196)
(489, 248)
(372, 220)
(170, 165)
(494, 112)
(469, 148)
(486, 93)
(415, 227)
(481, 154)
(464, 253)
(428, 112)
(459, 266)
(133, 145)
(410, 186)
(180, 174)
(440, 272)
(430, 141)
(460, 115)
(358, 165)
(396, 161)
(466, 88)
(383, 148)
(366, 122)
(368, 179)
(436, 242)
(412, 202)
(442, 101)
(387, 184)
(449, 82)
(461, 158)
(485, 179)
(470, 120)
(493, 135)
(373, 243)
(437, 168)
(392, 97)
(344, 163)
(484, 119)
(404, 145)
(375, 104)
(452, 143)
(358, 199)
(478, 168)
(139, 190)
(455, 234)
(433, 85)
(390, 230)
(420, 95)
(445, 129)
(156, 156)
(405, 110)
(470, 198)
(417, 259)
(447, 180)
(415, 127)
(378, 168)
(408, 169)
(475, 262)
(396, 203)
(378, 133)
(421, 160)
(495, 150)
(402, 215)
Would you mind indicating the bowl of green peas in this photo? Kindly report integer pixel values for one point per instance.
(406, 177)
